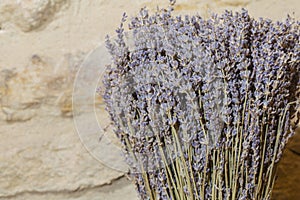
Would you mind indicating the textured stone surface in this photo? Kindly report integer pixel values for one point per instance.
(118, 189)
(41, 88)
(45, 154)
(29, 15)
(42, 44)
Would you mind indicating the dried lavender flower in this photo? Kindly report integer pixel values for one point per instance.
(202, 107)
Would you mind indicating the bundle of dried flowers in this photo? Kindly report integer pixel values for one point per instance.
(202, 107)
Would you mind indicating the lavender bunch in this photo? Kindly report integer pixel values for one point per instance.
(202, 107)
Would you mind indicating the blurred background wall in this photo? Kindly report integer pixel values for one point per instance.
(42, 45)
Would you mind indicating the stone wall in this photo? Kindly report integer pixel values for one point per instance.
(42, 45)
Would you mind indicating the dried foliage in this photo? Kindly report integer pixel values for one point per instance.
(203, 106)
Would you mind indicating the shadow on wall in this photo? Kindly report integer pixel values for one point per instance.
(287, 185)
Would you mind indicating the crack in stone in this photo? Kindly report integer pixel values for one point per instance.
(61, 192)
